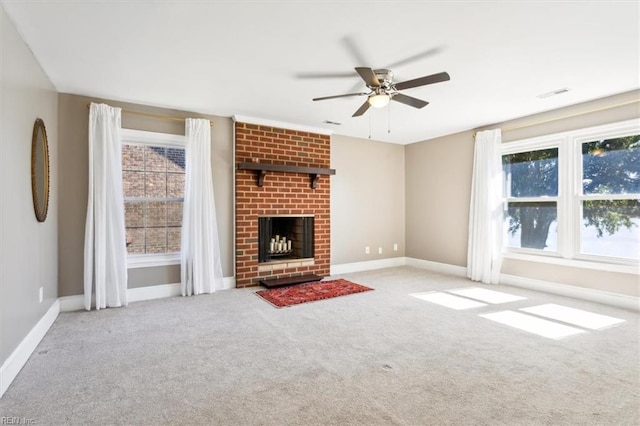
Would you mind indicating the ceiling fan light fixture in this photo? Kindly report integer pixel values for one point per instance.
(379, 100)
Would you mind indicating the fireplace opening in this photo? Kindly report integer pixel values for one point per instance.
(285, 237)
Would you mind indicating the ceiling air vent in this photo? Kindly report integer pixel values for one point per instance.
(335, 123)
(553, 93)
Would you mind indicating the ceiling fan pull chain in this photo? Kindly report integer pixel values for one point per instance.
(370, 126)
(389, 120)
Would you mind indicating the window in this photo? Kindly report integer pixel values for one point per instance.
(609, 202)
(531, 190)
(153, 174)
(575, 195)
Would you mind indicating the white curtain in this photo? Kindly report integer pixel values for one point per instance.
(201, 267)
(484, 255)
(105, 255)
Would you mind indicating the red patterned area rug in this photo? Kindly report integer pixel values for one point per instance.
(310, 292)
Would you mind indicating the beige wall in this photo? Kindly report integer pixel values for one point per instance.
(438, 190)
(583, 115)
(73, 130)
(367, 199)
(28, 248)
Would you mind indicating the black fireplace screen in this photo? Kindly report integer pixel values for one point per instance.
(285, 237)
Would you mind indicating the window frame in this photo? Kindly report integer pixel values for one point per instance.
(145, 138)
(588, 135)
(535, 144)
(570, 197)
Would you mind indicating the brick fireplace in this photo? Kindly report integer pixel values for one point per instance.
(275, 193)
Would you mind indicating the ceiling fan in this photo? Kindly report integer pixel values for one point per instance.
(382, 89)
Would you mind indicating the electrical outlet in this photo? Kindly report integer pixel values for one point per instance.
(395, 247)
(379, 250)
(41, 294)
(367, 250)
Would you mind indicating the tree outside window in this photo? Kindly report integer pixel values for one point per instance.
(531, 189)
(610, 199)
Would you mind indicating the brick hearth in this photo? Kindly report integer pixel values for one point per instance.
(282, 193)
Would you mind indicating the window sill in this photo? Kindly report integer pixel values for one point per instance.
(623, 267)
(151, 260)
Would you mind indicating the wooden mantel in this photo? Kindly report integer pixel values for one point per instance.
(262, 169)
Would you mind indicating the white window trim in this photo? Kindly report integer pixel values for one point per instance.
(140, 137)
(569, 195)
(149, 260)
(554, 259)
(608, 131)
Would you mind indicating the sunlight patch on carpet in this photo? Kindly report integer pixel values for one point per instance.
(448, 300)
(489, 296)
(584, 319)
(531, 324)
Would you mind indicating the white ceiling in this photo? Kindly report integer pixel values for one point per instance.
(256, 58)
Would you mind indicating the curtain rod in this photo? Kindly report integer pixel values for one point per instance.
(549, 120)
(159, 116)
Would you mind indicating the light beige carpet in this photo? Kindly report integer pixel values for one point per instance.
(377, 358)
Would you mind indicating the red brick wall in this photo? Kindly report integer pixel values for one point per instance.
(153, 226)
(282, 193)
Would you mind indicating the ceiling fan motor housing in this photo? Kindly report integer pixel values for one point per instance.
(384, 76)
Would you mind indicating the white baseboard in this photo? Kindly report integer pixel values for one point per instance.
(74, 303)
(161, 291)
(444, 268)
(370, 265)
(138, 294)
(19, 357)
(598, 296)
(228, 283)
(346, 268)
(592, 295)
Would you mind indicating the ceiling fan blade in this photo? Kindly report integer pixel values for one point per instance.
(351, 43)
(423, 81)
(362, 109)
(368, 76)
(409, 100)
(325, 74)
(339, 96)
(415, 57)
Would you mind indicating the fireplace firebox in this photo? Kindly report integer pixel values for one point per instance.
(285, 237)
